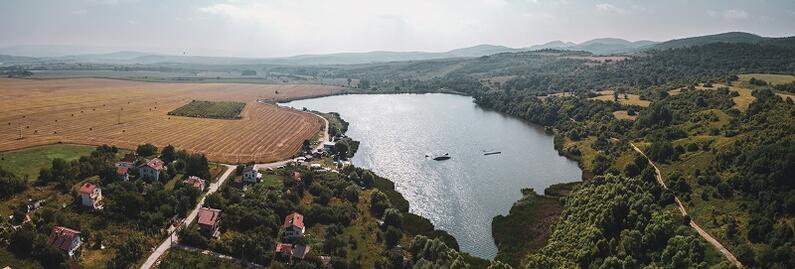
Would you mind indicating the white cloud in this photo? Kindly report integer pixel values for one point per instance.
(735, 14)
(609, 8)
(729, 14)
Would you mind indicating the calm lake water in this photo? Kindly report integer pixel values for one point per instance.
(463, 194)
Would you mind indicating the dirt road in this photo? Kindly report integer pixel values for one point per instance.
(693, 224)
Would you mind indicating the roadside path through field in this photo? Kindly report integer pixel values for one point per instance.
(693, 224)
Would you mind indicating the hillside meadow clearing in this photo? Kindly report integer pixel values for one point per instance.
(129, 113)
(631, 99)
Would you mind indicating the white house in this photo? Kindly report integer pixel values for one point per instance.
(151, 169)
(91, 196)
(293, 226)
(251, 175)
(65, 239)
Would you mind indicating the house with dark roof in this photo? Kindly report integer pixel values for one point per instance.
(91, 196)
(300, 251)
(195, 182)
(251, 175)
(151, 169)
(209, 220)
(128, 160)
(293, 226)
(65, 239)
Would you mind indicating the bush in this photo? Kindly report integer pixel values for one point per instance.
(146, 150)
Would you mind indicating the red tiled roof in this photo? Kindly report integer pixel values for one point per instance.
(130, 158)
(284, 248)
(62, 237)
(296, 176)
(194, 181)
(294, 219)
(209, 216)
(87, 188)
(155, 163)
(121, 170)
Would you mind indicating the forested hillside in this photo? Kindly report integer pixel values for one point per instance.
(725, 146)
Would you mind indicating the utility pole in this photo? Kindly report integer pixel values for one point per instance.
(119, 122)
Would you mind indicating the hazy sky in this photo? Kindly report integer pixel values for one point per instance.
(287, 27)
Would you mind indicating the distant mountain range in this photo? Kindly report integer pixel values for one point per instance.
(601, 46)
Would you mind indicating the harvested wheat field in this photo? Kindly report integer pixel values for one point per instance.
(129, 113)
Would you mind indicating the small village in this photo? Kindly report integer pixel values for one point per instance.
(328, 212)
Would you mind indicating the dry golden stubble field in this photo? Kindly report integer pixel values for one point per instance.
(129, 113)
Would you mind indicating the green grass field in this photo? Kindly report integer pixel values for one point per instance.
(769, 78)
(208, 109)
(272, 181)
(631, 99)
(26, 163)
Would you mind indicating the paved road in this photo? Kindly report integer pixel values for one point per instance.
(693, 224)
(172, 235)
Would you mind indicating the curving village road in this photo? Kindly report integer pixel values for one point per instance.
(693, 224)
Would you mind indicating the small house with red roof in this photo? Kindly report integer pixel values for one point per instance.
(293, 226)
(91, 195)
(195, 182)
(209, 220)
(151, 169)
(297, 176)
(65, 239)
(286, 251)
(283, 250)
(123, 173)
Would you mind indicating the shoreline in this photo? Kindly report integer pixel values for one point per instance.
(546, 194)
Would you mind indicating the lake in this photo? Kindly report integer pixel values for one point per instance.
(463, 194)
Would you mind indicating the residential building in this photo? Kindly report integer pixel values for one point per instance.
(65, 239)
(300, 251)
(293, 226)
(123, 173)
(91, 195)
(296, 176)
(209, 218)
(283, 250)
(328, 147)
(195, 181)
(286, 251)
(128, 160)
(251, 175)
(151, 169)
